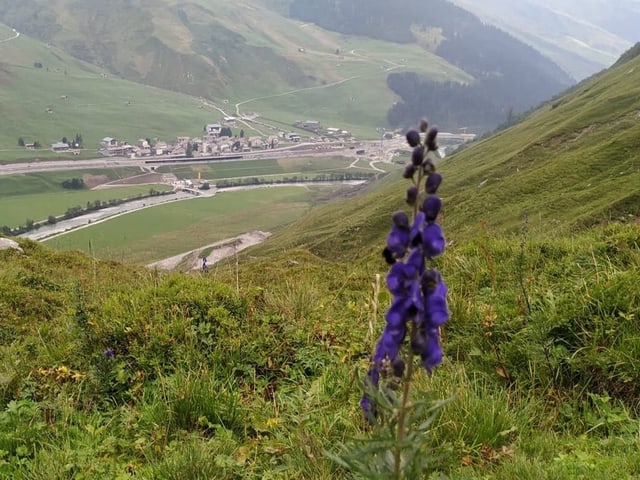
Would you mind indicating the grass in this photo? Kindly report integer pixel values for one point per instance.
(96, 106)
(258, 168)
(36, 196)
(251, 370)
(262, 380)
(167, 230)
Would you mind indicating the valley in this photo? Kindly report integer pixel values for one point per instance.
(223, 255)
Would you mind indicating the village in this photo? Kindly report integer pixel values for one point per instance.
(217, 139)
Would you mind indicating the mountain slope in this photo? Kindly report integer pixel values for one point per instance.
(45, 94)
(571, 164)
(583, 37)
(242, 58)
(241, 51)
(509, 76)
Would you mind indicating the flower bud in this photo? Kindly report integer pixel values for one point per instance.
(401, 219)
(430, 140)
(431, 207)
(433, 242)
(413, 138)
(432, 183)
(417, 157)
(412, 195)
(424, 125)
(428, 167)
(388, 256)
(418, 343)
(409, 171)
(398, 366)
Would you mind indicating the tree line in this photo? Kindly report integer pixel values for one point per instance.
(324, 177)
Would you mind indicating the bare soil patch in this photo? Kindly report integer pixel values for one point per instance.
(93, 181)
(142, 179)
(192, 260)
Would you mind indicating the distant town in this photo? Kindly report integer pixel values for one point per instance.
(219, 139)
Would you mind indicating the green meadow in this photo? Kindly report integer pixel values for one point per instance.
(67, 96)
(167, 230)
(258, 168)
(36, 196)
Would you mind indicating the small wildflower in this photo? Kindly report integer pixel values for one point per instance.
(428, 168)
(419, 305)
(409, 171)
(432, 183)
(431, 208)
(109, 353)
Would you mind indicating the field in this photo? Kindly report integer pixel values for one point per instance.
(167, 230)
(257, 168)
(35, 196)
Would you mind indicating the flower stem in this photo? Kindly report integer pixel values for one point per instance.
(402, 414)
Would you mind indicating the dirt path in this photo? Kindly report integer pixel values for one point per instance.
(220, 250)
(16, 35)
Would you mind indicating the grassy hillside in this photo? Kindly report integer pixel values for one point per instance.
(253, 369)
(110, 371)
(67, 96)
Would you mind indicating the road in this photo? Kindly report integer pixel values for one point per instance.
(146, 163)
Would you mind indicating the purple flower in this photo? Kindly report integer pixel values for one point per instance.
(436, 311)
(416, 229)
(389, 344)
(412, 195)
(432, 183)
(109, 353)
(398, 241)
(431, 207)
(430, 140)
(433, 241)
(428, 167)
(417, 156)
(419, 294)
(413, 138)
(400, 219)
(409, 171)
(432, 353)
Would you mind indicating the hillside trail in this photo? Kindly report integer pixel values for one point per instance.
(17, 34)
(219, 251)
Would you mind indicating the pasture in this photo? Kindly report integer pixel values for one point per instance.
(257, 168)
(163, 231)
(67, 96)
(35, 196)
